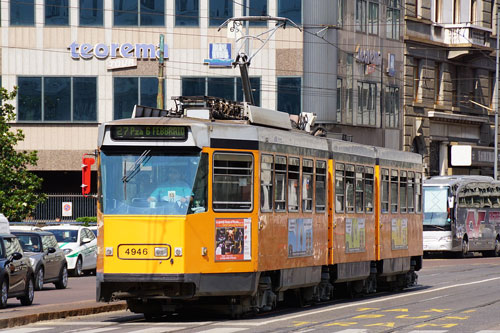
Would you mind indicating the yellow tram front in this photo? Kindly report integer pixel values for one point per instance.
(157, 227)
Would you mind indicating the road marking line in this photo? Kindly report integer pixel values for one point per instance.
(74, 323)
(158, 329)
(489, 331)
(304, 331)
(382, 299)
(223, 330)
(100, 329)
(428, 331)
(160, 323)
(27, 330)
(353, 330)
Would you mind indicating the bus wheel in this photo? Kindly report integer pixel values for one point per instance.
(496, 250)
(465, 248)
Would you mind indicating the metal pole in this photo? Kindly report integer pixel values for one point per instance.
(159, 96)
(495, 164)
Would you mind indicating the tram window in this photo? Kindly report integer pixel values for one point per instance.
(349, 188)
(369, 190)
(359, 189)
(402, 192)
(418, 193)
(394, 191)
(320, 186)
(280, 184)
(293, 184)
(411, 193)
(339, 188)
(200, 188)
(266, 183)
(307, 185)
(385, 191)
(232, 183)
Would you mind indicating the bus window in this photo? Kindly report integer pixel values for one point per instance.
(369, 190)
(349, 188)
(385, 191)
(402, 192)
(339, 188)
(266, 183)
(394, 191)
(307, 185)
(320, 186)
(411, 192)
(359, 189)
(418, 193)
(280, 184)
(293, 184)
(232, 190)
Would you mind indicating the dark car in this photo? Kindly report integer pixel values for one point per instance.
(47, 259)
(16, 274)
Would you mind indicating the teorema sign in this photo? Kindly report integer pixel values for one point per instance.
(125, 50)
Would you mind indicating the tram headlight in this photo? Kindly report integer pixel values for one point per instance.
(161, 251)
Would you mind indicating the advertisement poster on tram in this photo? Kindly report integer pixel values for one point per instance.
(399, 234)
(300, 238)
(233, 239)
(355, 235)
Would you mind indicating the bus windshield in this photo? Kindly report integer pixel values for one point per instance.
(153, 183)
(436, 206)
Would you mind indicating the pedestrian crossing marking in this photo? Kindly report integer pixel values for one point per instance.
(368, 316)
(345, 324)
(455, 317)
(390, 324)
(367, 309)
(396, 310)
(412, 317)
(437, 310)
(436, 325)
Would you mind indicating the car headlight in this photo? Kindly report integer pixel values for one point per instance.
(67, 251)
(445, 238)
(32, 262)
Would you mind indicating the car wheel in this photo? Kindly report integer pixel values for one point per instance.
(4, 293)
(29, 294)
(62, 283)
(39, 279)
(78, 267)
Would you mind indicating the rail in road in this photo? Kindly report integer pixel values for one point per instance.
(452, 296)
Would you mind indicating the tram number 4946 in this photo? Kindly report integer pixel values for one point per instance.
(136, 252)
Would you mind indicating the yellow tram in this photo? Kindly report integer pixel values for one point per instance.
(241, 213)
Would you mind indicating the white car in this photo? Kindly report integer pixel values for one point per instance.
(79, 245)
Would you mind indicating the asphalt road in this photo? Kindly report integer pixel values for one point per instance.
(453, 295)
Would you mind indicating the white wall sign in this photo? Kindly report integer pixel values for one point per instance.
(67, 209)
(461, 155)
(114, 50)
(121, 63)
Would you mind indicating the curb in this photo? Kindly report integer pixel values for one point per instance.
(51, 315)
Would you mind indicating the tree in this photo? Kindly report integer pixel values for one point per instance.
(19, 188)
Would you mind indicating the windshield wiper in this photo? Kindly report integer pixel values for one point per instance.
(134, 169)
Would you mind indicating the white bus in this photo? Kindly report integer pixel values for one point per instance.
(462, 215)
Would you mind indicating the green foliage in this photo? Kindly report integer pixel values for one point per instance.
(87, 220)
(19, 188)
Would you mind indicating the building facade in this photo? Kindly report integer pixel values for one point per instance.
(450, 84)
(80, 63)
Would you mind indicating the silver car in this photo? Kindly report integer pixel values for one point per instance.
(47, 259)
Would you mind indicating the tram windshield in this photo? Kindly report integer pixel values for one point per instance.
(154, 183)
(436, 206)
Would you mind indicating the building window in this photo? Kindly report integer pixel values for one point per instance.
(340, 13)
(437, 11)
(348, 104)
(393, 17)
(491, 87)
(361, 15)
(57, 99)
(289, 95)
(417, 72)
(187, 13)
(473, 12)
(129, 91)
(220, 11)
(291, 9)
(456, 12)
(438, 72)
(373, 18)
(392, 107)
(367, 103)
(91, 12)
(22, 12)
(56, 12)
(227, 88)
(255, 8)
(139, 13)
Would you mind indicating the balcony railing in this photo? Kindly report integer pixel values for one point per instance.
(460, 34)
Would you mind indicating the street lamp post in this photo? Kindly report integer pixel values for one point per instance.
(495, 162)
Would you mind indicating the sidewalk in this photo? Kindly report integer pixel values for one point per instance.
(24, 315)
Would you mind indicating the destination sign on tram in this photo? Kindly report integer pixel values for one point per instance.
(148, 132)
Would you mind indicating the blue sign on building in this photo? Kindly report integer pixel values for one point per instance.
(219, 55)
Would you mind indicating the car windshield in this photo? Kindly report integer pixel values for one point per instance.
(65, 236)
(30, 243)
(436, 206)
(154, 183)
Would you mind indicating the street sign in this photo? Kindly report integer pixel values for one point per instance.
(67, 209)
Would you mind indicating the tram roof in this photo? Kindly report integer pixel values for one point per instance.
(456, 180)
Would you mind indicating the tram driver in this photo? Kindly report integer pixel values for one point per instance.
(173, 190)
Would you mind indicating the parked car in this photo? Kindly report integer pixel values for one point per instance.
(16, 275)
(94, 230)
(79, 244)
(47, 259)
